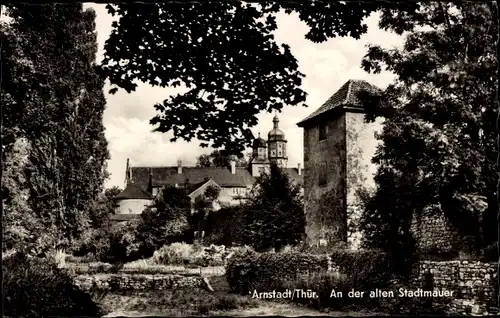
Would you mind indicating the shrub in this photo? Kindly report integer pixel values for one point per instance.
(490, 253)
(94, 245)
(35, 287)
(124, 246)
(324, 284)
(367, 269)
(224, 226)
(194, 255)
(468, 246)
(173, 254)
(249, 270)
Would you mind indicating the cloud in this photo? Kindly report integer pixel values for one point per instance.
(327, 67)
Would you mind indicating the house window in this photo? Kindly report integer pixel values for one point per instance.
(322, 174)
(322, 132)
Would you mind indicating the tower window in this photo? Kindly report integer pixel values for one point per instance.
(322, 132)
(322, 174)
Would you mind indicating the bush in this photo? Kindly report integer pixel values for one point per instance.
(173, 254)
(93, 245)
(224, 226)
(490, 253)
(323, 284)
(35, 287)
(366, 269)
(194, 254)
(249, 270)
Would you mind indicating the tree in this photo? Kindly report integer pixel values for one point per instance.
(218, 158)
(165, 221)
(274, 215)
(112, 192)
(203, 206)
(229, 60)
(438, 142)
(18, 220)
(56, 103)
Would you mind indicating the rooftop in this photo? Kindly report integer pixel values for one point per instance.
(347, 95)
(132, 191)
(169, 176)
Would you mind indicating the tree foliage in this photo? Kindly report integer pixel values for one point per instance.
(204, 205)
(220, 158)
(274, 215)
(165, 221)
(112, 192)
(229, 60)
(438, 141)
(18, 222)
(56, 103)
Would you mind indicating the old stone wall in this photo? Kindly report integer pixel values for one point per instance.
(433, 232)
(325, 204)
(473, 284)
(137, 281)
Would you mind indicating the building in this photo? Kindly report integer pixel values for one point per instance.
(234, 182)
(129, 201)
(338, 147)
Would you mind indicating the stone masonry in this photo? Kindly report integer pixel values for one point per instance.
(137, 281)
(474, 284)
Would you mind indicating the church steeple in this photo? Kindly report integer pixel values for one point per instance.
(276, 144)
(275, 121)
(259, 148)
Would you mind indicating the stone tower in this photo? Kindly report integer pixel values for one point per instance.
(276, 144)
(338, 147)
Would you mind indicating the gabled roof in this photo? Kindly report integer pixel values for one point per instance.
(132, 191)
(347, 95)
(168, 176)
(194, 189)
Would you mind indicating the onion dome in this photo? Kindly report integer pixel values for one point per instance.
(259, 142)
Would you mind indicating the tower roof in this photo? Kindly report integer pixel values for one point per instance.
(132, 191)
(259, 143)
(275, 133)
(347, 95)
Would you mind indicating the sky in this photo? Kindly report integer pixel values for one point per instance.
(327, 67)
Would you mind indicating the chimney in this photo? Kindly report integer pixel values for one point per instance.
(233, 167)
(299, 169)
(127, 173)
(179, 166)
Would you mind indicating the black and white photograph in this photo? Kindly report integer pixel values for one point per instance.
(250, 158)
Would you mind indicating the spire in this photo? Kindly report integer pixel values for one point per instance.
(275, 120)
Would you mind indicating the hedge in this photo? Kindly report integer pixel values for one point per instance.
(249, 270)
(366, 269)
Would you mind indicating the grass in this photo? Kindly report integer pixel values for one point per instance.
(199, 302)
(177, 302)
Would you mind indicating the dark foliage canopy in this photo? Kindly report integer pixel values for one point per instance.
(225, 56)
